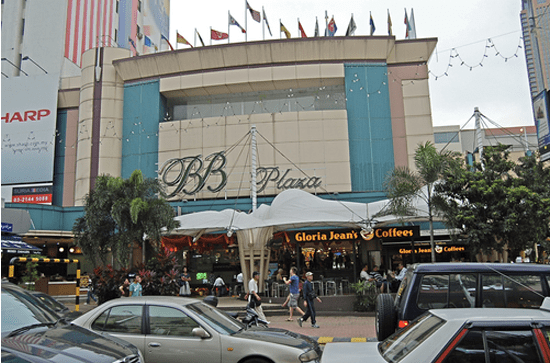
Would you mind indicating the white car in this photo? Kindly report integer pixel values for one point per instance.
(173, 329)
(456, 336)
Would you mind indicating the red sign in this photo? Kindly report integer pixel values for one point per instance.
(32, 198)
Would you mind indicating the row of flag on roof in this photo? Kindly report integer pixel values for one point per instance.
(330, 28)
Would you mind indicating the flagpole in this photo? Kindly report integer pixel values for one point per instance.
(228, 26)
(195, 38)
(245, 21)
(326, 23)
(299, 32)
(177, 39)
(280, 29)
(263, 23)
(210, 35)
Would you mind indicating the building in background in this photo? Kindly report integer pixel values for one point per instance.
(535, 22)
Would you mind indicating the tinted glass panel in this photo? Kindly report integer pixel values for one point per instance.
(397, 346)
(120, 319)
(169, 321)
(469, 350)
(462, 291)
(434, 290)
(492, 295)
(512, 346)
(523, 291)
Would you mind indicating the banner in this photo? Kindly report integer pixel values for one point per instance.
(540, 109)
(29, 110)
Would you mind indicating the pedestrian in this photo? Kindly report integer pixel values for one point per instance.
(380, 281)
(254, 300)
(294, 288)
(309, 301)
(219, 285)
(125, 288)
(240, 284)
(135, 288)
(90, 290)
(185, 279)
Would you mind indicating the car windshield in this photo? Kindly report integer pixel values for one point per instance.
(217, 320)
(20, 309)
(398, 345)
(51, 302)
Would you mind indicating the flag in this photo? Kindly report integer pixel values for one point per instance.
(285, 30)
(132, 42)
(200, 38)
(302, 31)
(232, 21)
(331, 27)
(167, 41)
(407, 26)
(181, 39)
(389, 23)
(266, 23)
(316, 27)
(147, 42)
(351, 27)
(255, 14)
(412, 32)
(372, 27)
(216, 35)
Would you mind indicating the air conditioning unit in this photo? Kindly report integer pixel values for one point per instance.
(139, 35)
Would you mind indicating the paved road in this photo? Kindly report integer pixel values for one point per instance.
(333, 328)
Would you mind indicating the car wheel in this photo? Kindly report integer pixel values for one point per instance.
(385, 316)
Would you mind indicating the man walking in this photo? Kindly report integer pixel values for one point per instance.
(294, 287)
(254, 300)
(309, 301)
(135, 288)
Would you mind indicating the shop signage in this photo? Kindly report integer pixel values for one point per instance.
(190, 175)
(33, 195)
(383, 233)
(7, 227)
(438, 249)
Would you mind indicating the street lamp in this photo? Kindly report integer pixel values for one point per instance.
(36, 64)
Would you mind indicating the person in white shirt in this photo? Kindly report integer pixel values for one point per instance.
(218, 285)
(240, 283)
(254, 300)
(364, 275)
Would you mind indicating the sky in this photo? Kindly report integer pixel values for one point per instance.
(479, 39)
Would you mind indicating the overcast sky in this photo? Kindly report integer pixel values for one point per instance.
(499, 87)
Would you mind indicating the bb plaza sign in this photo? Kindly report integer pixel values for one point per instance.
(189, 176)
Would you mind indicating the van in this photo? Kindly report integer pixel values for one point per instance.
(461, 285)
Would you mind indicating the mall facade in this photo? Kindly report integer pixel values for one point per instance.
(333, 116)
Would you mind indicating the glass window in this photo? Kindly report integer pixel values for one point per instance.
(445, 137)
(523, 291)
(462, 291)
(120, 319)
(433, 292)
(217, 320)
(470, 349)
(397, 346)
(170, 321)
(492, 294)
(512, 346)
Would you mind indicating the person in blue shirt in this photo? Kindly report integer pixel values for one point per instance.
(309, 301)
(135, 287)
(294, 287)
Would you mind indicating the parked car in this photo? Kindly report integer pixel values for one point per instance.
(176, 329)
(32, 332)
(461, 285)
(55, 305)
(457, 336)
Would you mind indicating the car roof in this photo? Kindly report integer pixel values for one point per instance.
(493, 315)
(176, 300)
(480, 267)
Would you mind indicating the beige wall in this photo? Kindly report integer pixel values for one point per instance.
(316, 141)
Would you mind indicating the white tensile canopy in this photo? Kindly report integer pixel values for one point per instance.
(291, 209)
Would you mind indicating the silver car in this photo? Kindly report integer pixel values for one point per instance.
(175, 329)
(456, 336)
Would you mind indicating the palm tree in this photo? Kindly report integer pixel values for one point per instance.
(118, 214)
(404, 186)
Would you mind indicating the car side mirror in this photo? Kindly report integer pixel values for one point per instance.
(200, 332)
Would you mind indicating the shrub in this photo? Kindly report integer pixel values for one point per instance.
(365, 293)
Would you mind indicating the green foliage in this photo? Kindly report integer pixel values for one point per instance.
(499, 203)
(30, 275)
(365, 293)
(159, 277)
(118, 213)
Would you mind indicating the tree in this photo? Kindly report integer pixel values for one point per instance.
(118, 213)
(497, 205)
(403, 185)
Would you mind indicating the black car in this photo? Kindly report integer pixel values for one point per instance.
(32, 332)
(461, 285)
(56, 305)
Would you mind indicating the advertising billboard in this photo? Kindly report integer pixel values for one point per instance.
(540, 108)
(29, 109)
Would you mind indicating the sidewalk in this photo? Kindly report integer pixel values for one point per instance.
(334, 326)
